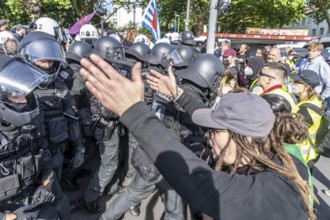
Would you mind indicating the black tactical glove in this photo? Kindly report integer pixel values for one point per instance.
(23, 213)
(43, 195)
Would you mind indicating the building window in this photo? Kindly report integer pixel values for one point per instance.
(313, 32)
(116, 13)
(321, 31)
(309, 20)
(303, 21)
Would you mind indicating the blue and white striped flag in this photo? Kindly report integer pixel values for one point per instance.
(150, 20)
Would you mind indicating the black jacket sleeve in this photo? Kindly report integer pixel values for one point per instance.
(189, 103)
(218, 194)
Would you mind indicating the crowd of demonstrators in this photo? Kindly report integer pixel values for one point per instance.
(207, 130)
(234, 142)
(316, 63)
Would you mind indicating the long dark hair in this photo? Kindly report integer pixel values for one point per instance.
(261, 153)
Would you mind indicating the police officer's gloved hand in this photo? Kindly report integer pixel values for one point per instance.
(43, 195)
(25, 213)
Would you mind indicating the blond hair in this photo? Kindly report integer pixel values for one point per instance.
(315, 46)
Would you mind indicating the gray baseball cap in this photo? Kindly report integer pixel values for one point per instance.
(245, 114)
(308, 76)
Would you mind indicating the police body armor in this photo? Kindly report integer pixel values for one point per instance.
(52, 106)
(192, 136)
(67, 76)
(103, 118)
(80, 95)
(20, 158)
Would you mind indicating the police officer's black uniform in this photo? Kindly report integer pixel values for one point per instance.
(28, 184)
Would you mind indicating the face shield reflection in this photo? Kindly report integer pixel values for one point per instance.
(115, 54)
(44, 49)
(176, 58)
(58, 34)
(19, 78)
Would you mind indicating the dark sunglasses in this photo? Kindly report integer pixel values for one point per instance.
(264, 74)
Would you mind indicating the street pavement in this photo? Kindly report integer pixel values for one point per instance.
(321, 174)
(153, 209)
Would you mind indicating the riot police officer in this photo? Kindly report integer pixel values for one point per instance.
(78, 50)
(29, 188)
(49, 26)
(56, 104)
(106, 132)
(187, 38)
(89, 34)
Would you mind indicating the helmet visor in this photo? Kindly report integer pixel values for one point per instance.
(45, 50)
(58, 34)
(19, 78)
(115, 54)
(176, 58)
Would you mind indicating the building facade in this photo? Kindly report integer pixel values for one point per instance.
(320, 30)
(123, 17)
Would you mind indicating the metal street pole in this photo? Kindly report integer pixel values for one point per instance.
(134, 12)
(187, 16)
(217, 7)
(212, 26)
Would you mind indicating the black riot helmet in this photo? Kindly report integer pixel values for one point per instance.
(187, 38)
(78, 50)
(39, 46)
(18, 79)
(182, 56)
(203, 71)
(159, 54)
(138, 50)
(109, 49)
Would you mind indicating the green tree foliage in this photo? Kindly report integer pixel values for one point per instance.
(167, 11)
(15, 11)
(64, 11)
(264, 14)
(199, 15)
(240, 15)
(320, 8)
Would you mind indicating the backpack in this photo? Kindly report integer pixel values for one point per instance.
(322, 144)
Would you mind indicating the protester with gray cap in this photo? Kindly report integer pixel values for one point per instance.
(240, 136)
(306, 81)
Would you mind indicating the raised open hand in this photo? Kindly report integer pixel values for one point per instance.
(114, 91)
(163, 84)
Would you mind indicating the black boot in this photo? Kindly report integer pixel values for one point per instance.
(93, 207)
(84, 172)
(70, 184)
